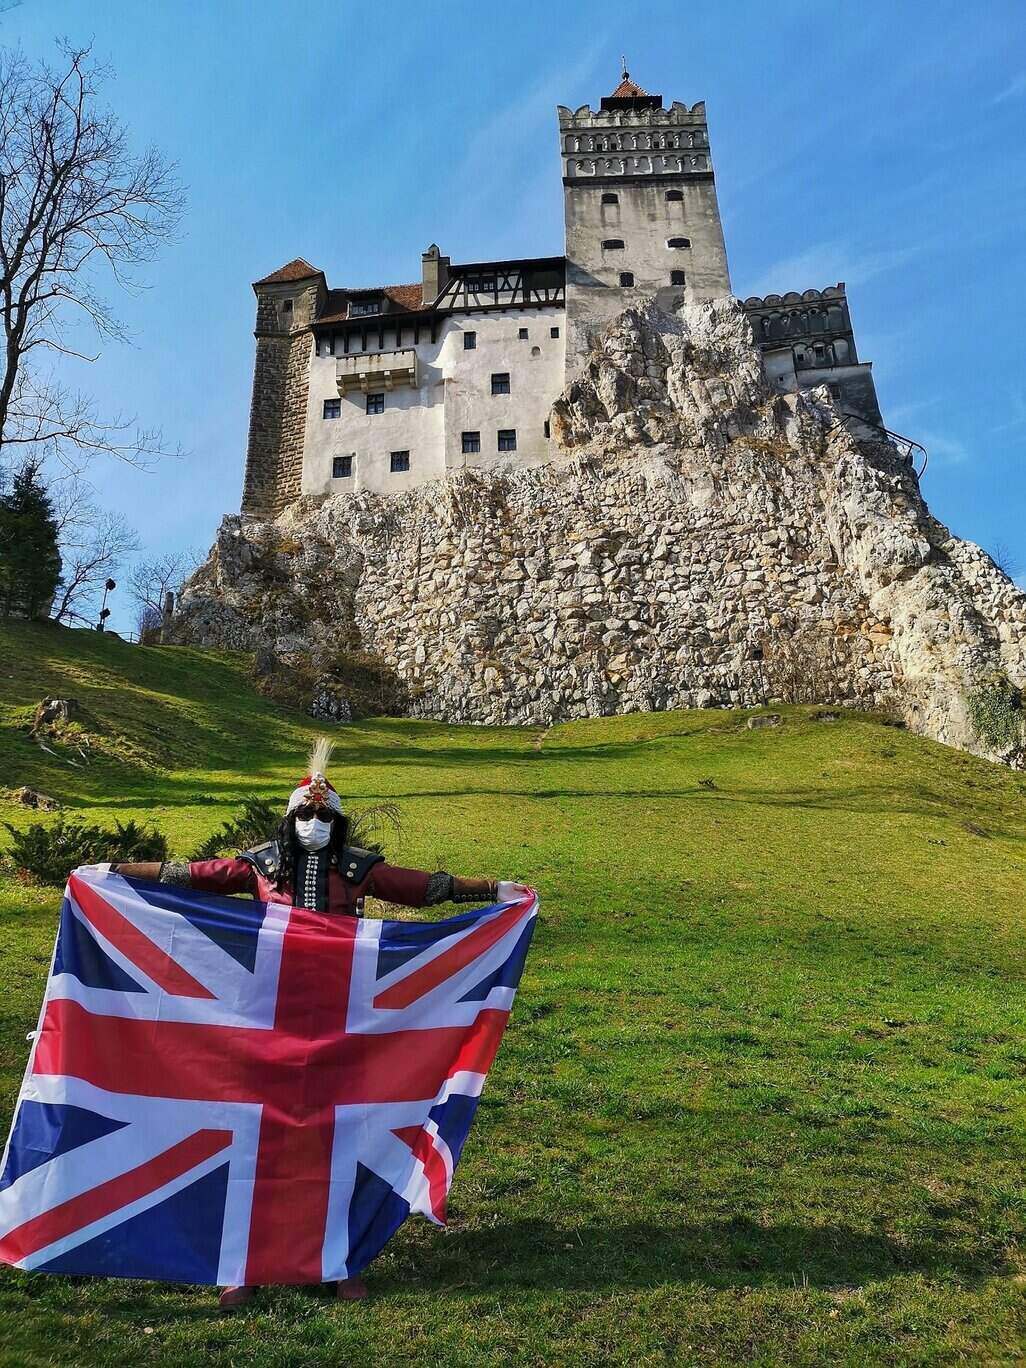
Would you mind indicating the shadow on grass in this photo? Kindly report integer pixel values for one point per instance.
(857, 800)
(535, 1255)
(737, 1252)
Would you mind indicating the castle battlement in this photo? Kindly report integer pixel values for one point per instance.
(677, 114)
(793, 297)
(384, 387)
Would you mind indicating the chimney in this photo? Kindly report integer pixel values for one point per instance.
(434, 273)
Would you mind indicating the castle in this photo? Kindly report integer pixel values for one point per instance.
(387, 387)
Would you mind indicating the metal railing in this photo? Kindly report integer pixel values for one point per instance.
(906, 447)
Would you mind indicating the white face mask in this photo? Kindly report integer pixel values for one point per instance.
(313, 833)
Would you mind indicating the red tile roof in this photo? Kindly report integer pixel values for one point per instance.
(627, 89)
(295, 270)
(408, 298)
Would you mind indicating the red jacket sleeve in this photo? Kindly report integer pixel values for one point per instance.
(393, 883)
(223, 876)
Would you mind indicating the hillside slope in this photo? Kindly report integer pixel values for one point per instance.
(762, 1096)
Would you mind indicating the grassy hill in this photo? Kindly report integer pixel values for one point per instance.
(761, 1100)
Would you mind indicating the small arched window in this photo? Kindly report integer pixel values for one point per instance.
(612, 244)
(610, 198)
(674, 195)
(678, 242)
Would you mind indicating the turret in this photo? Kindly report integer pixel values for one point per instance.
(288, 300)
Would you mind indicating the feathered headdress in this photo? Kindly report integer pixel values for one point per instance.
(314, 787)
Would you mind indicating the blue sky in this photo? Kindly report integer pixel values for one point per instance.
(880, 144)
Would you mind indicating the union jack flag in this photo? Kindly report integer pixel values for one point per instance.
(224, 1091)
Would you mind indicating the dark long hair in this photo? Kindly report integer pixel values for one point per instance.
(286, 838)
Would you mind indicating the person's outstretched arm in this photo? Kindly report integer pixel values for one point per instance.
(150, 869)
(208, 876)
(418, 888)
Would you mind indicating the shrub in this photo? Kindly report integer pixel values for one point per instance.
(48, 854)
(258, 820)
(372, 687)
(255, 822)
(290, 680)
(995, 710)
(370, 822)
(809, 665)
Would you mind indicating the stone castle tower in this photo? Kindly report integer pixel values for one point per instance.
(387, 387)
(640, 209)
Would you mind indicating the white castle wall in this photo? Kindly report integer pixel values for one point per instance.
(453, 396)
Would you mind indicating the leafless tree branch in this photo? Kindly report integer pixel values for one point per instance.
(150, 581)
(94, 544)
(75, 203)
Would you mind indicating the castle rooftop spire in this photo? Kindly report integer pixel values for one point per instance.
(629, 95)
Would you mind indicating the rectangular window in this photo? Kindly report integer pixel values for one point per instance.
(332, 408)
(471, 443)
(553, 332)
(547, 432)
(500, 382)
(522, 334)
(287, 305)
(400, 460)
(626, 279)
(469, 341)
(678, 278)
(375, 403)
(364, 306)
(341, 466)
(507, 439)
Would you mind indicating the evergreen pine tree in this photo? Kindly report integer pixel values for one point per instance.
(30, 563)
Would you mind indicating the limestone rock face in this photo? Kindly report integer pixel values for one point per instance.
(696, 526)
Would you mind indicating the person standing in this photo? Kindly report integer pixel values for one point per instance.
(309, 863)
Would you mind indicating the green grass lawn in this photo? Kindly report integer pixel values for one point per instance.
(762, 1096)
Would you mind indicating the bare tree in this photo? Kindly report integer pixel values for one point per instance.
(1005, 559)
(75, 205)
(94, 544)
(150, 582)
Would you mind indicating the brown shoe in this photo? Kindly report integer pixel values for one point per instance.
(351, 1289)
(233, 1297)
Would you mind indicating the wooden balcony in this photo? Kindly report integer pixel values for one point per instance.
(376, 370)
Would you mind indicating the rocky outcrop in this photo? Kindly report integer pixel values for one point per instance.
(697, 527)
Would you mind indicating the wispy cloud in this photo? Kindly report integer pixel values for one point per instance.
(944, 450)
(908, 412)
(832, 261)
(1014, 90)
(497, 143)
(1017, 408)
